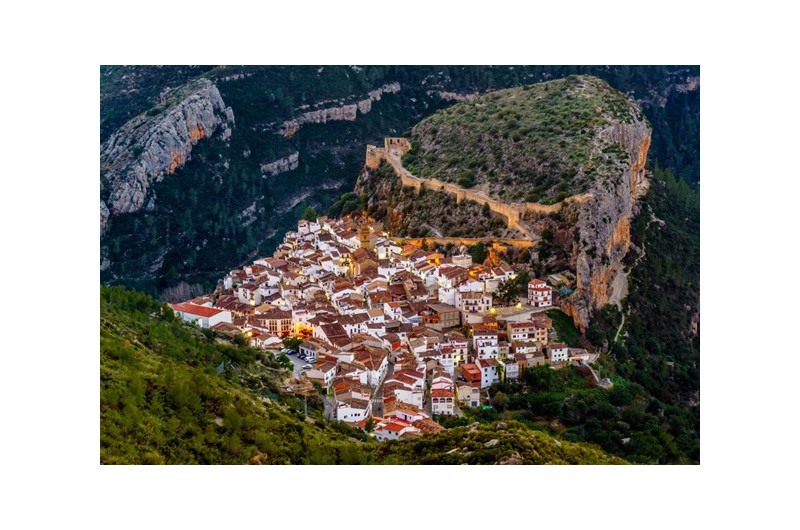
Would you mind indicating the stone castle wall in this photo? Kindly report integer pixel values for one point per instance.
(394, 148)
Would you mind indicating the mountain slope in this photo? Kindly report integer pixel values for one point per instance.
(530, 147)
(161, 401)
(298, 138)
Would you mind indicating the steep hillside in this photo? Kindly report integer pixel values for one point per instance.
(158, 143)
(127, 91)
(430, 213)
(531, 147)
(161, 401)
(294, 136)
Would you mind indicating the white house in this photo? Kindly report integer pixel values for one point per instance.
(473, 302)
(539, 294)
(392, 310)
(267, 340)
(376, 364)
(443, 402)
(249, 293)
(393, 429)
(558, 352)
(485, 344)
(510, 369)
(447, 296)
(353, 410)
(203, 316)
(489, 372)
(388, 250)
(322, 372)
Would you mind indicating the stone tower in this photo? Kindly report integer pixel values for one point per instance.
(364, 236)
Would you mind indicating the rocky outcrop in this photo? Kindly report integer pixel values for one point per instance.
(157, 143)
(282, 165)
(603, 235)
(104, 213)
(342, 112)
(590, 218)
(365, 105)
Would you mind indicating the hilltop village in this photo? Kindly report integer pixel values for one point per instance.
(390, 333)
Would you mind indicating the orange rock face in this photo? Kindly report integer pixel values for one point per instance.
(178, 159)
(600, 285)
(622, 235)
(598, 272)
(638, 171)
(196, 134)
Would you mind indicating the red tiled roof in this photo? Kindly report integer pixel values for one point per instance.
(395, 426)
(198, 310)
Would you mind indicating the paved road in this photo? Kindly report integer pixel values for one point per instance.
(298, 365)
(427, 404)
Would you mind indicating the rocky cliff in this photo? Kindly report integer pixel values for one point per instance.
(193, 230)
(282, 165)
(603, 228)
(157, 143)
(566, 157)
(339, 112)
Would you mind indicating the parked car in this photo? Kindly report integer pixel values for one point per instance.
(462, 378)
(306, 367)
(302, 356)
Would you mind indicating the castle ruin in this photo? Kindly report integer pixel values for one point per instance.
(394, 148)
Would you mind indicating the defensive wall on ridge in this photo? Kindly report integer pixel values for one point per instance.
(394, 148)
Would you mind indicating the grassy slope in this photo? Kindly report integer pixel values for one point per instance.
(532, 143)
(161, 402)
(160, 397)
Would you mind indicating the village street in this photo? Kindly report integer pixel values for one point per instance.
(377, 397)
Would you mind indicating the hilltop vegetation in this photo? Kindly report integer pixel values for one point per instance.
(533, 143)
(508, 442)
(162, 402)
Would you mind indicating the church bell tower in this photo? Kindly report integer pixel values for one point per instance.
(364, 236)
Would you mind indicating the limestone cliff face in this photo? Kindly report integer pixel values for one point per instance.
(603, 228)
(157, 143)
(340, 112)
(281, 165)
